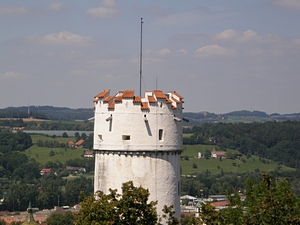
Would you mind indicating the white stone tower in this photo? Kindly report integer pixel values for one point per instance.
(139, 139)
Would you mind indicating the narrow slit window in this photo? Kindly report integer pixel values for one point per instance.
(125, 137)
(160, 134)
(100, 137)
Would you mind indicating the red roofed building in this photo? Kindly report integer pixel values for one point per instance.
(215, 154)
(79, 143)
(45, 171)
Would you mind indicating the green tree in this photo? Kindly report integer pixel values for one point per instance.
(132, 207)
(59, 219)
(83, 136)
(267, 202)
(77, 136)
(271, 202)
(65, 135)
(207, 154)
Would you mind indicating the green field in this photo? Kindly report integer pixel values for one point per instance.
(42, 154)
(36, 137)
(227, 165)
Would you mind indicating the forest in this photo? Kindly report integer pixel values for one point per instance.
(21, 181)
(47, 112)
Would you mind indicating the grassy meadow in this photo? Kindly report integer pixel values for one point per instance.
(42, 154)
(227, 165)
(190, 152)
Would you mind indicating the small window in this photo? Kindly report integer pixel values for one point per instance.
(160, 134)
(125, 137)
(100, 137)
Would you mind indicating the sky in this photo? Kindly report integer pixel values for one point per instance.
(220, 55)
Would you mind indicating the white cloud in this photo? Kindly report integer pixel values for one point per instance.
(56, 6)
(229, 35)
(108, 10)
(246, 36)
(214, 50)
(164, 52)
(183, 51)
(11, 75)
(289, 4)
(61, 38)
(12, 10)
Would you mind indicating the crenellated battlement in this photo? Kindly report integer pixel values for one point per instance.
(151, 98)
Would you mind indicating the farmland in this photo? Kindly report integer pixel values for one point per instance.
(189, 160)
(190, 164)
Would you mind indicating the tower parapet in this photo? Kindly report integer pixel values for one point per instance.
(127, 122)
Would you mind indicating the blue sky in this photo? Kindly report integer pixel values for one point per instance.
(221, 56)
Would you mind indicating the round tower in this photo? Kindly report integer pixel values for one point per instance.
(139, 139)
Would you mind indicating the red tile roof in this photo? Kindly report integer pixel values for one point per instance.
(220, 203)
(108, 99)
(102, 94)
(159, 94)
(118, 98)
(144, 106)
(128, 94)
(137, 99)
(151, 99)
(111, 105)
(80, 142)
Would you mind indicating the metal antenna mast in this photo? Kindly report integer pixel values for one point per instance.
(141, 58)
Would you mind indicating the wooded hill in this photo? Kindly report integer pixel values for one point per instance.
(47, 112)
(64, 113)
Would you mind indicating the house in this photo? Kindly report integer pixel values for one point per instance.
(71, 144)
(79, 143)
(88, 154)
(221, 204)
(45, 171)
(217, 154)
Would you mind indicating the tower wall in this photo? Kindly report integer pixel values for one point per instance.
(139, 139)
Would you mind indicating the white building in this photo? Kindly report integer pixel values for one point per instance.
(139, 139)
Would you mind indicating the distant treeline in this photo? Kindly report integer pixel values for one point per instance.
(277, 141)
(47, 112)
(64, 113)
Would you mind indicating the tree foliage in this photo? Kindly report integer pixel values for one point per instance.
(19, 141)
(59, 219)
(268, 202)
(130, 208)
